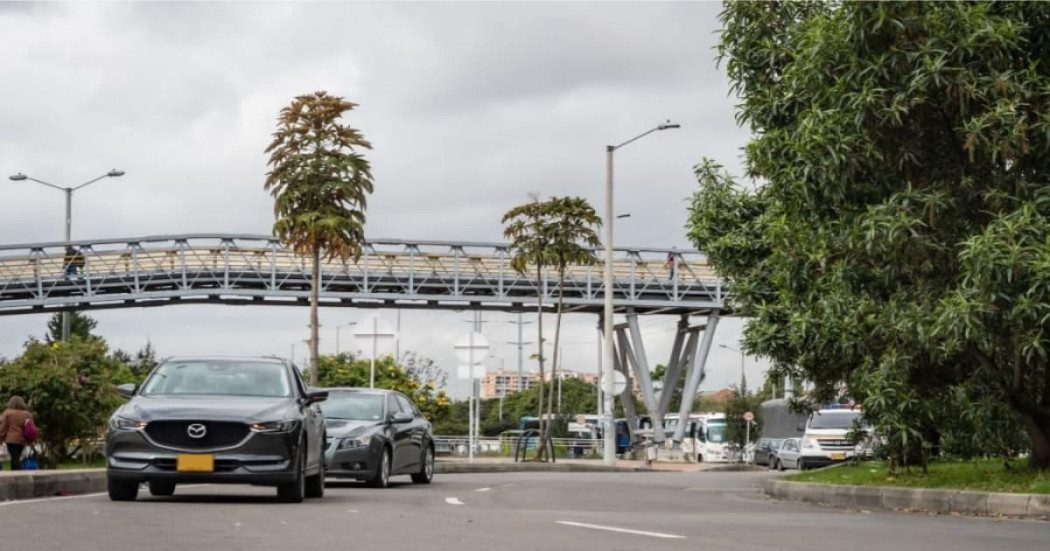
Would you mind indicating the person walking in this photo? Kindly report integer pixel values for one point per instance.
(69, 260)
(670, 264)
(12, 427)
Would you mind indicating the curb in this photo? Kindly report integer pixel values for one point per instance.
(944, 502)
(34, 484)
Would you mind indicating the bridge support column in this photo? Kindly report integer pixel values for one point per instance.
(683, 357)
(694, 376)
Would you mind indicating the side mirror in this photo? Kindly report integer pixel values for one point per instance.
(126, 390)
(402, 417)
(313, 396)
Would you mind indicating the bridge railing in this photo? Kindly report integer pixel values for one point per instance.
(246, 263)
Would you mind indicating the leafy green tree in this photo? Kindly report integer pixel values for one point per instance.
(69, 387)
(320, 184)
(80, 325)
(899, 235)
(740, 402)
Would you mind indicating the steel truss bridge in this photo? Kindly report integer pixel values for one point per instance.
(392, 273)
(257, 269)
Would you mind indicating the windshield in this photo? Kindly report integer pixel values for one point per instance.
(837, 420)
(219, 378)
(716, 433)
(355, 406)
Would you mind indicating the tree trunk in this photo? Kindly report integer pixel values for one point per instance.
(539, 332)
(315, 290)
(556, 354)
(1039, 434)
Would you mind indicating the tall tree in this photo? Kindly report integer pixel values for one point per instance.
(899, 237)
(526, 229)
(80, 325)
(320, 184)
(572, 226)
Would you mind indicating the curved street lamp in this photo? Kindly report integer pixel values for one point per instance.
(114, 173)
(609, 456)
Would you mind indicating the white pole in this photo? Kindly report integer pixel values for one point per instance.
(470, 400)
(609, 457)
(372, 372)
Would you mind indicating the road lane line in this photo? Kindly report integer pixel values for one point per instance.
(621, 530)
(78, 496)
(482, 489)
(453, 501)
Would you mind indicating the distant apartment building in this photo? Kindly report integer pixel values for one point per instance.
(502, 382)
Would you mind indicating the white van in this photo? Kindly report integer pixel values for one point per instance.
(826, 437)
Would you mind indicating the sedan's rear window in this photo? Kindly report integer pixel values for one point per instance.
(219, 378)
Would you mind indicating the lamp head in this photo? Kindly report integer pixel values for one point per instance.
(115, 173)
(19, 177)
(667, 125)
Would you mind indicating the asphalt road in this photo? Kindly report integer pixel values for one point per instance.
(526, 511)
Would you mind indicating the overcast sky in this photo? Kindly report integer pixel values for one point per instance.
(469, 106)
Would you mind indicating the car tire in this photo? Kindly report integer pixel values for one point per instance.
(161, 489)
(801, 464)
(426, 472)
(382, 477)
(122, 490)
(315, 483)
(780, 466)
(699, 458)
(294, 491)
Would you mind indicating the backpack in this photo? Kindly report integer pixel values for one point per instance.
(29, 432)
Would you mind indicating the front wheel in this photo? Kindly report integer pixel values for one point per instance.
(122, 490)
(801, 464)
(382, 477)
(315, 483)
(294, 491)
(426, 473)
(780, 465)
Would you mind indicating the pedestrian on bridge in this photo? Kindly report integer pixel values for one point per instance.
(70, 260)
(669, 264)
(13, 425)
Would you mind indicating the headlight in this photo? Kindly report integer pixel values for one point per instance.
(359, 442)
(810, 444)
(123, 423)
(274, 426)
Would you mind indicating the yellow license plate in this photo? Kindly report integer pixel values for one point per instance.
(838, 456)
(195, 463)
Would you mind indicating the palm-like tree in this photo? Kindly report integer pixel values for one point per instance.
(559, 232)
(320, 184)
(528, 234)
(573, 230)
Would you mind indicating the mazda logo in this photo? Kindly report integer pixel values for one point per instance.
(196, 430)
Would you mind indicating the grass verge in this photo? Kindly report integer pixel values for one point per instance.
(983, 475)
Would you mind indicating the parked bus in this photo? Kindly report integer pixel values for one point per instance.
(704, 437)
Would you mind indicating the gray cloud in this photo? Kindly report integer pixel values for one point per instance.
(470, 107)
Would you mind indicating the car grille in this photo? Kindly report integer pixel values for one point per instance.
(220, 434)
(835, 445)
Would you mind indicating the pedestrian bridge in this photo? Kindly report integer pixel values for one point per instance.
(394, 273)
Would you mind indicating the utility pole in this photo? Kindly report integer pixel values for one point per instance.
(521, 357)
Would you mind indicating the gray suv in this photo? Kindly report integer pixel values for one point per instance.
(218, 420)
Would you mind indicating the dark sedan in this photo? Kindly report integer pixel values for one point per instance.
(218, 420)
(376, 434)
(766, 450)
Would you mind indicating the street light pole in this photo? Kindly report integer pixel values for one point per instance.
(114, 173)
(743, 381)
(609, 455)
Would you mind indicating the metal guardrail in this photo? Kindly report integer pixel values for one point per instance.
(256, 269)
(508, 446)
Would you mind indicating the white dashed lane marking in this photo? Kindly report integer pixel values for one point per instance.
(453, 501)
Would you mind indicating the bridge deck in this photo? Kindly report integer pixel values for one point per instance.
(238, 269)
